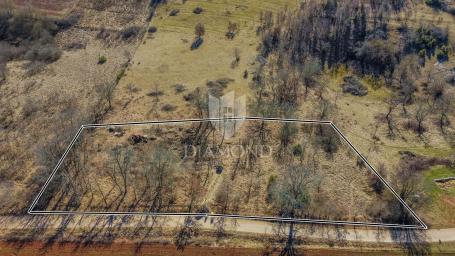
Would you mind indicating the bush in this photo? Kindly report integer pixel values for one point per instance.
(377, 56)
(155, 93)
(232, 30)
(450, 78)
(429, 38)
(198, 10)
(168, 108)
(174, 12)
(34, 67)
(438, 4)
(68, 22)
(442, 54)
(179, 88)
(216, 87)
(353, 86)
(297, 150)
(77, 45)
(130, 32)
(102, 59)
(29, 108)
(199, 30)
(103, 34)
(44, 53)
(152, 29)
(271, 185)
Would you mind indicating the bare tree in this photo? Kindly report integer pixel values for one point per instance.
(444, 109)
(106, 93)
(189, 229)
(199, 30)
(420, 116)
(309, 72)
(236, 60)
(390, 117)
(290, 193)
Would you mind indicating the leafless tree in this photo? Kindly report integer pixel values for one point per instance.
(106, 93)
(390, 117)
(189, 229)
(420, 116)
(199, 30)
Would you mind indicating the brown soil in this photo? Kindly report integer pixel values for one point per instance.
(38, 248)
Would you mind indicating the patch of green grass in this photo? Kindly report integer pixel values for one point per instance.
(438, 172)
(102, 59)
(437, 212)
(433, 152)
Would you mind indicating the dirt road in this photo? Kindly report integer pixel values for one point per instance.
(8, 224)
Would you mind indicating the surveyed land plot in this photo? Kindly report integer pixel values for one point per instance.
(271, 169)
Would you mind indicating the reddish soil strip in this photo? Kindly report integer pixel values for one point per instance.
(123, 249)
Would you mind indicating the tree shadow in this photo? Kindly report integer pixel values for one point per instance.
(413, 241)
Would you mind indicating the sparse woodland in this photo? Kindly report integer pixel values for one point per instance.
(384, 77)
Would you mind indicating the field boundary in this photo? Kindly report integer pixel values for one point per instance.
(262, 218)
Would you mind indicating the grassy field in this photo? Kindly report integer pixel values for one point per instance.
(165, 59)
(442, 202)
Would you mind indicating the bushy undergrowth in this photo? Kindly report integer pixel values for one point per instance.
(31, 37)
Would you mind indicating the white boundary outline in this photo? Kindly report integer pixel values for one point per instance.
(263, 218)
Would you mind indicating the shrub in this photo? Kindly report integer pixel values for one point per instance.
(216, 87)
(189, 97)
(198, 10)
(429, 38)
(155, 93)
(297, 150)
(174, 12)
(353, 86)
(120, 75)
(29, 108)
(438, 4)
(102, 59)
(450, 78)
(44, 53)
(199, 30)
(152, 29)
(77, 45)
(232, 30)
(67, 22)
(442, 53)
(179, 88)
(168, 108)
(130, 32)
(103, 34)
(377, 56)
(34, 67)
(271, 185)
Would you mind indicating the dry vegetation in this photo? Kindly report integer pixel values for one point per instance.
(191, 168)
(390, 52)
(52, 83)
(381, 70)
